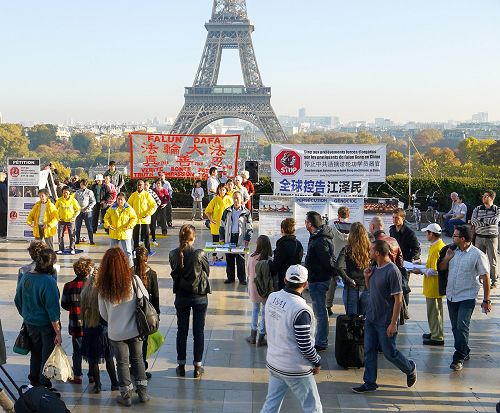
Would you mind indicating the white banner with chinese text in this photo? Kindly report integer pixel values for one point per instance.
(182, 156)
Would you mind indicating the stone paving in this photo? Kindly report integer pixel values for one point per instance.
(235, 379)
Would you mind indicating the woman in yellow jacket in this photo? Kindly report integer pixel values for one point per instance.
(214, 211)
(43, 218)
(120, 219)
(67, 209)
(144, 206)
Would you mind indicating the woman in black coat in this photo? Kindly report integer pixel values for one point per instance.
(289, 251)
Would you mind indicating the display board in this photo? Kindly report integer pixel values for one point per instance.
(182, 156)
(24, 177)
(382, 207)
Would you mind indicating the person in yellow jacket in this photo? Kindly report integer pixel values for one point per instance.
(431, 288)
(214, 211)
(121, 219)
(43, 219)
(144, 206)
(67, 209)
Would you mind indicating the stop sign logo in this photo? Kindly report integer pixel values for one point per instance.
(287, 162)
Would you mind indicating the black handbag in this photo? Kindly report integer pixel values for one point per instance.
(148, 320)
(22, 344)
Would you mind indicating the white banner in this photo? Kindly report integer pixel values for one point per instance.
(24, 176)
(342, 170)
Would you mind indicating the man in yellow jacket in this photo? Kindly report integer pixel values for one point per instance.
(43, 218)
(67, 209)
(433, 300)
(120, 219)
(144, 206)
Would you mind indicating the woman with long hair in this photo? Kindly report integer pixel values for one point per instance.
(263, 252)
(117, 303)
(96, 347)
(352, 261)
(190, 272)
(150, 280)
(37, 300)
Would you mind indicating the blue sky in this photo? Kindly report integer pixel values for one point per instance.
(125, 60)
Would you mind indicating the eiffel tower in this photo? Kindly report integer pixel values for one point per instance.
(206, 102)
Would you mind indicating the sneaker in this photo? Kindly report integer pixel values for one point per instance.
(72, 252)
(457, 365)
(59, 252)
(320, 348)
(426, 336)
(411, 378)
(431, 342)
(364, 388)
(76, 380)
(154, 243)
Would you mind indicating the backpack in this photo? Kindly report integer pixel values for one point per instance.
(264, 282)
(39, 400)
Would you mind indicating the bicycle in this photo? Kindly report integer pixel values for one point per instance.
(413, 213)
(432, 215)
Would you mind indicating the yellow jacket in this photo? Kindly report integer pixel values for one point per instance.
(122, 219)
(50, 218)
(215, 208)
(431, 284)
(67, 208)
(144, 206)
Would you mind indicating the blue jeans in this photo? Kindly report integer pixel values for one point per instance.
(128, 354)
(255, 317)
(77, 355)
(375, 335)
(125, 245)
(449, 225)
(317, 291)
(460, 314)
(87, 217)
(183, 305)
(42, 343)
(353, 304)
(304, 388)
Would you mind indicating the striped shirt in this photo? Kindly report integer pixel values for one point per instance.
(464, 270)
(485, 220)
(302, 329)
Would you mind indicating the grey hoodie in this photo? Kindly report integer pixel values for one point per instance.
(86, 199)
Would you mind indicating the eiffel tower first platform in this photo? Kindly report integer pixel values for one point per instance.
(206, 102)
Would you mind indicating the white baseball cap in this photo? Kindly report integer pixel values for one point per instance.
(296, 274)
(432, 228)
(99, 177)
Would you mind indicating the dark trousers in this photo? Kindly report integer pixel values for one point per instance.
(49, 241)
(183, 305)
(142, 231)
(235, 261)
(96, 212)
(42, 344)
(94, 371)
(87, 217)
(460, 314)
(3, 224)
(168, 213)
(77, 355)
(71, 234)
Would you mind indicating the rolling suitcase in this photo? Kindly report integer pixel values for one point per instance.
(349, 340)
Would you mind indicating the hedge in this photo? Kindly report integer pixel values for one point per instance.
(396, 186)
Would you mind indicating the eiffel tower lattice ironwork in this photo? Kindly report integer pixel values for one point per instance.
(206, 102)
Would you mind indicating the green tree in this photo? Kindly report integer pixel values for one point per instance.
(84, 142)
(428, 137)
(43, 134)
(13, 141)
(364, 137)
(492, 155)
(472, 150)
(397, 163)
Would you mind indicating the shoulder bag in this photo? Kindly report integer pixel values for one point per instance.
(148, 320)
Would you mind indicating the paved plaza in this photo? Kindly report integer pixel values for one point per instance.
(235, 379)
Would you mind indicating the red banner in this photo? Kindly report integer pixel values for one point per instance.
(182, 156)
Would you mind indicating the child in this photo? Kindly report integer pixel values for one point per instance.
(197, 193)
(96, 347)
(150, 280)
(263, 251)
(67, 209)
(70, 301)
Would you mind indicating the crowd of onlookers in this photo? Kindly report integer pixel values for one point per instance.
(373, 265)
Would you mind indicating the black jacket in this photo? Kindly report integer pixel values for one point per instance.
(289, 251)
(348, 270)
(320, 258)
(192, 278)
(408, 242)
(153, 290)
(105, 196)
